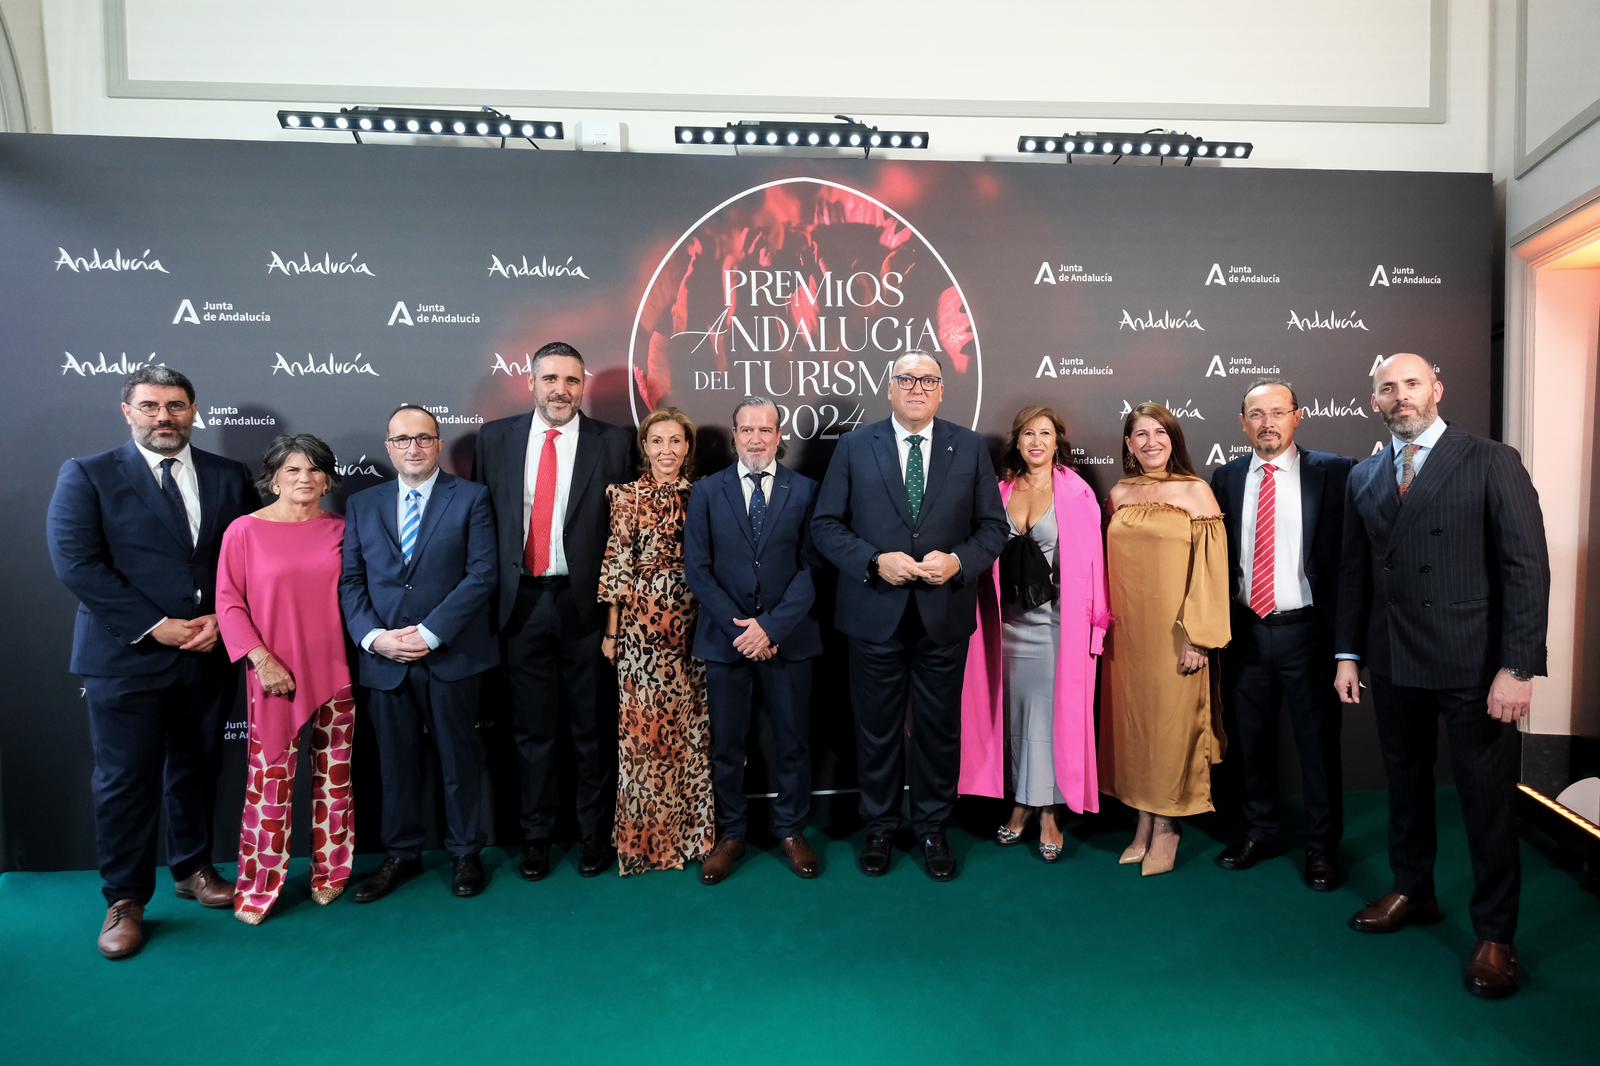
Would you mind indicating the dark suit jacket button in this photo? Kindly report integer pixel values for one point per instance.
(915, 536)
(758, 565)
(408, 588)
(1436, 532)
(1391, 601)
(1388, 567)
(1425, 570)
(1427, 603)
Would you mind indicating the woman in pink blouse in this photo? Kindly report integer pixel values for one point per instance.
(278, 607)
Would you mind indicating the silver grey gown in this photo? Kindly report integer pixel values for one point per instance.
(1032, 641)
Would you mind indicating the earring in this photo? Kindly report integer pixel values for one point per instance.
(1129, 464)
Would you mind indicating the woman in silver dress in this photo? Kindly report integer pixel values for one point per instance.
(1027, 727)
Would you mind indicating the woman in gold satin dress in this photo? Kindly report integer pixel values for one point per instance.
(1167, 567)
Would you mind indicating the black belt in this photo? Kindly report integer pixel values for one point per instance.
(1298, 616)
(554, 581)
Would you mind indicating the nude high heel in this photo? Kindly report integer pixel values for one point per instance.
(1135, 852)
(1163, 854)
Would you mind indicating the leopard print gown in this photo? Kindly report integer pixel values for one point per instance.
(665, 816)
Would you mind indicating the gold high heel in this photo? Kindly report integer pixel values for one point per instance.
(250, 917)
(1163, 854)
(1135, 852)
(326, 894)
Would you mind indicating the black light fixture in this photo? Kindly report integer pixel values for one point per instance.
(1151, 144)
(422, 121)
(845, 133)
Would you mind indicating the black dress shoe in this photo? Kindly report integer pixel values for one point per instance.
(535, 864)
(598, 855)
(468, 879)
(937, 858)
(390, 876)
(1322, 873)
(1245, 854)
(874, 857)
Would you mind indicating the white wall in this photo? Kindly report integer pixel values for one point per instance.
(1312, 84)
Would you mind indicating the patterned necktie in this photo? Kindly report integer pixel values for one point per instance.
(174, 498)
(758, 503)
(916, 481)
(1408, 468)
(413, 522)
(536, 556)
(1263, 598)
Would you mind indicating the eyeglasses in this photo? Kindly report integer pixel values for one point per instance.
(425, 440)
(149, 408)
(1277, 414)
(928, 382)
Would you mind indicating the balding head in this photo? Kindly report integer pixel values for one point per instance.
(1406, 393)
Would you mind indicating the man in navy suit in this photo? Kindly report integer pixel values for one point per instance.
(547, 472)
(910, 514)
(1444, 596)
(134, 534)
(1284, 510)
(419, 568)
(746, 552)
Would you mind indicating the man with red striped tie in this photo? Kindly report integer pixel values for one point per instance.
(1284, 511)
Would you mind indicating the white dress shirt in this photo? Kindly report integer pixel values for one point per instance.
(183, 474)
(566, 455)
(1289, 583)
(425, 492)
(188, 488)
(903, 446)
(748, 487)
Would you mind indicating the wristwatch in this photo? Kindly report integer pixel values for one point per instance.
(1520, 675)
(872, 566)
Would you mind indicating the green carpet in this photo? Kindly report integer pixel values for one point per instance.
(1014, 961)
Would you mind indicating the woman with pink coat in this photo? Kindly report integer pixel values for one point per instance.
(1027, 704)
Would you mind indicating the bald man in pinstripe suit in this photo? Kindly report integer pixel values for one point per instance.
(1444, 593)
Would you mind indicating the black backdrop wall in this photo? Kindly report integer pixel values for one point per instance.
(314, 287)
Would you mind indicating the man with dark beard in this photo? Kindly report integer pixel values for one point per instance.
(1444, 593)
(134, 533)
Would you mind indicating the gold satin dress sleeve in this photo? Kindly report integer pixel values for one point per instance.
(1160, 731)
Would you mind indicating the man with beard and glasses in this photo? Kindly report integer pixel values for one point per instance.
(134, 533)
(1443, 595)
(547, 473)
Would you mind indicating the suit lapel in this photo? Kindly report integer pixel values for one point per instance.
(438, 502)
(941, 452)
(887, 451)
(131, 459)
(735, 496)
(583, 464)
(509, 507)
(1380, 493)
(782, 478)
(1233, 500)
(1311, 481)
(1429, 480)
(389, 517)
(205, 476)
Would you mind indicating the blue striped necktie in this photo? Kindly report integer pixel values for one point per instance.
(413, 522)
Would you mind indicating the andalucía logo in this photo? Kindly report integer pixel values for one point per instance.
(292, 267)
(215, 311)
(1166, 320)
(1401, 275)
(1329, 319)
(121, 366)
(544, 268)
(1332, 408)
(360, 468)
(116, 261)
(1186, 409)
(1239, 275)
(807, 291)
(1068, 273)
(330, 366)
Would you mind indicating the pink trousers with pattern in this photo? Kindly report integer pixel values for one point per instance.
(269, 814)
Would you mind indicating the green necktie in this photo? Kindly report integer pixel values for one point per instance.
(916, 482)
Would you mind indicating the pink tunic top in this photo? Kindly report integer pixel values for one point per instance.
(278, 585)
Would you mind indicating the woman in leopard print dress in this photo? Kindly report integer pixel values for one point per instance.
(664, 797)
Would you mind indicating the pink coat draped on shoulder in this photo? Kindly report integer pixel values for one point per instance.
(1085, 617)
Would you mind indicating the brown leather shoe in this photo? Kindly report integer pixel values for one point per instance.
(720, 863)
(802, 860)
(123, 932)
(206, 887)
(1393, 913)
(1492, 973)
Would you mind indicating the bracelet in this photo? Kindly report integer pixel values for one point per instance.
(609, 636)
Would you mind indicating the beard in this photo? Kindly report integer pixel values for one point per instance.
(1406, 427)
(164, 446)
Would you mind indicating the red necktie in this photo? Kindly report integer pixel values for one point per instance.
(1263, 598)
(536, 556)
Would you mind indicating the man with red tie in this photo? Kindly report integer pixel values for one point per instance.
(1284, 511)
(547, 473)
